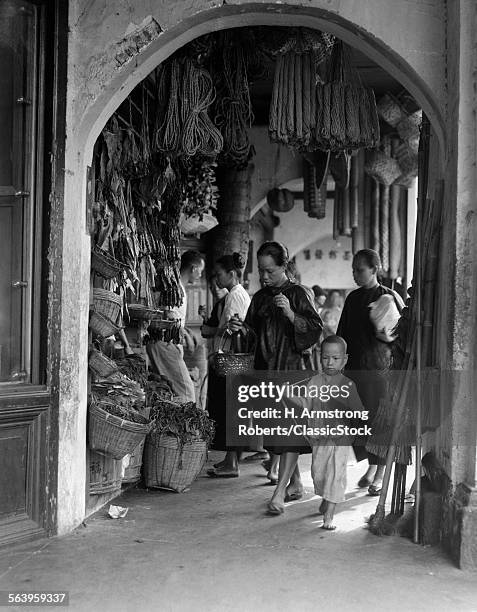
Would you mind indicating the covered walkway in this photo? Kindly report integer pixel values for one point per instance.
(213, 548)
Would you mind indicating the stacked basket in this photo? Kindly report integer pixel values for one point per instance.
(112, 434)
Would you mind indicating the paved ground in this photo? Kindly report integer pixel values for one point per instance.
(213, 549)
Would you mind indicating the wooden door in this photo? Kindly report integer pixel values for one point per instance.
(24, 400)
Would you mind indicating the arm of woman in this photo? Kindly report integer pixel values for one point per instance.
(307, 323)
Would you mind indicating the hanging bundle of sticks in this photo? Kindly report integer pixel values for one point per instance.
(346, 111)
(293, 108)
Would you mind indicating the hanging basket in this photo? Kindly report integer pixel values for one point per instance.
(196, 224)
(234, 363)
(111, 434)
(101, 325)
(407, 159)
(280, 200)
(104, 264)
(168, 466)
(382, 168)
(390, 109)
(140, 312)
(157, 323)
(406, 180)
(409, 128)
(100, 365)
(107, 303)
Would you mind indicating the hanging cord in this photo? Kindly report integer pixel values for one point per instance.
(234, 107)
(168, 136)
(199, 135)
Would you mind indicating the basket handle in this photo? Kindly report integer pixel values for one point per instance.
(240, 331)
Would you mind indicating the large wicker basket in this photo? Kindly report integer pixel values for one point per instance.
(113, 435)
(168, 466)
(107, 303)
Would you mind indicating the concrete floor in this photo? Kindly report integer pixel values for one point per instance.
(213, 548)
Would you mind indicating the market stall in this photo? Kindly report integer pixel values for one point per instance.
(173, 164)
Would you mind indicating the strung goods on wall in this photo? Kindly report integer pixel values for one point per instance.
(293, 109)
(346, 111)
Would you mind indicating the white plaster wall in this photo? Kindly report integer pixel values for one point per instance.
(300, 232)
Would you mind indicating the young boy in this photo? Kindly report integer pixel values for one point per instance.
(337, 395)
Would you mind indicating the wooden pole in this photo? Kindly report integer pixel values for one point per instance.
(375, 216)
(384, 228)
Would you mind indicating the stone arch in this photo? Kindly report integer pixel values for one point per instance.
(243, 14)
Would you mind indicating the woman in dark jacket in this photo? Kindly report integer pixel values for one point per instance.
(284, 318)
(368, 357)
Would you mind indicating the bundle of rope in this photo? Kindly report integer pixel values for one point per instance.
(233, 108)
(187, 128)
(293, 110)
(346, 111)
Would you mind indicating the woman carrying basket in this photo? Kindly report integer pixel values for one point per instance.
(228, 274)
(286, 324)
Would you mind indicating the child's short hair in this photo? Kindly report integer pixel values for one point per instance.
(333, 339)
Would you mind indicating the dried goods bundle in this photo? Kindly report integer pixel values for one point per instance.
(113, 429)
(293, 105)
(346, 110)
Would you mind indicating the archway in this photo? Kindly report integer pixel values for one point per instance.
(244, 15)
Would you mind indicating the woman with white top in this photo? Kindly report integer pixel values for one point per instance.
(228, 274)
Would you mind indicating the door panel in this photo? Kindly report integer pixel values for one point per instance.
(23, 439)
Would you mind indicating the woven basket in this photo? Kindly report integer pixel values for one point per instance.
(101, 325)
(113, 435)
(407, 159)
(158, 323)
(233, 363)
(104, 264)
(140, 312)
(195, 225)
(167, 466)
(107, 303)
(383, 168)
(133, 472)
(406, 180)
(409, 128)
(390, 110)
(101, 365)
(104, 474)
